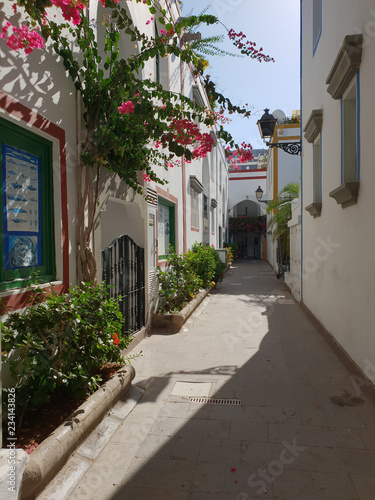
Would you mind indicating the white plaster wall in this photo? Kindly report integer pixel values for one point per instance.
(240, 190)
(294, 278)
(338, 247)
(39, 82)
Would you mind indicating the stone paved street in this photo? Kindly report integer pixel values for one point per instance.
(275, 434)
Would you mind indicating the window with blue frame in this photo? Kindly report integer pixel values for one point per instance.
(317, 23)
(166, 227)
(27, 222)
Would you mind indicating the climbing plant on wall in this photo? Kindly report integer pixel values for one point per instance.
(132, 124)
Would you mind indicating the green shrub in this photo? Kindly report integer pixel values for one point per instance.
(206, 263)
(61, 343)
(233, 247)
(186, 274)
(178, 283)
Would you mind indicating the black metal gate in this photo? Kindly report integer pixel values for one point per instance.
(123, 265)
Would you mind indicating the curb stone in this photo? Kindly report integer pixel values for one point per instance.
(172, 323)
(53, 452)
(12, 465)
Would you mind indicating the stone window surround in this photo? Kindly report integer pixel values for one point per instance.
(343, 71)
(196, 184)
(312, 129)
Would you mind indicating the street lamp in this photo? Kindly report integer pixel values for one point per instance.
(259, 194)
(266, 127)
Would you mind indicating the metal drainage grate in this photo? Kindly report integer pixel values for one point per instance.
(213, 401)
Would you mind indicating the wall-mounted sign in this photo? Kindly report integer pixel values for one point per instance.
(22, 224)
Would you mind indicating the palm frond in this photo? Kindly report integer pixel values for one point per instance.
(282, 208)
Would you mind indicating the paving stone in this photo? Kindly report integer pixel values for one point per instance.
(245, 482)
(313, 417)
(157, 446)
(164, 474)
(289, 454)
(304, 435)
(309, 485)
(209, 477)
(218, 429)
(344, 419)
(328, 459)
(364, 485)
(220, 450)
(359, 461)
(368, 438)
(252, 431)
(134, 493)
(175, 409)
(347, 438)
(369, 419)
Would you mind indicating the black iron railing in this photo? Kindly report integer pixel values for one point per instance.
(124, 269)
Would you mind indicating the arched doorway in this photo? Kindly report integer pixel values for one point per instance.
(247, 229)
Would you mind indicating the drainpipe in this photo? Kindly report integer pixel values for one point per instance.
(183, 165)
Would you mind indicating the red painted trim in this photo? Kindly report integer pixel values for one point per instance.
(263, 169)
(18, 110)
(166, 195)
(195, 229)
(247, 178)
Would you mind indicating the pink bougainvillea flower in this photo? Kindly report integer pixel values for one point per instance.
(126, 108)
(103, 2)
(147, 178)
(70, 9)
(116, 339)
(21, 38)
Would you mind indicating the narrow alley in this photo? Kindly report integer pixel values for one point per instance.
(247, 401)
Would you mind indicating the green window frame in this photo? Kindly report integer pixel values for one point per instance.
(166, 207)
(37, 242)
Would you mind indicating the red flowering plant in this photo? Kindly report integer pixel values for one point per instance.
(245, 224)
(243, 154)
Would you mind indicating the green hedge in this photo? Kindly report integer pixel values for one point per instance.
(186, 275)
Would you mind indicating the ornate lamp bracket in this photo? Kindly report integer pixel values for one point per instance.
(292, 148)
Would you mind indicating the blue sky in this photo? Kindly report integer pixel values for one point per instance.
(273, 25)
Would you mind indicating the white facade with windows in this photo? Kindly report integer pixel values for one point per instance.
(338, 109)
(191, 207)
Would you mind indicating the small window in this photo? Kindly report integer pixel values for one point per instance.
(350, 143)
(166, 227)
(317, 23)
(194, 209)
(317, 182)
(26, 223)
(205, 206)
(161, 66)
